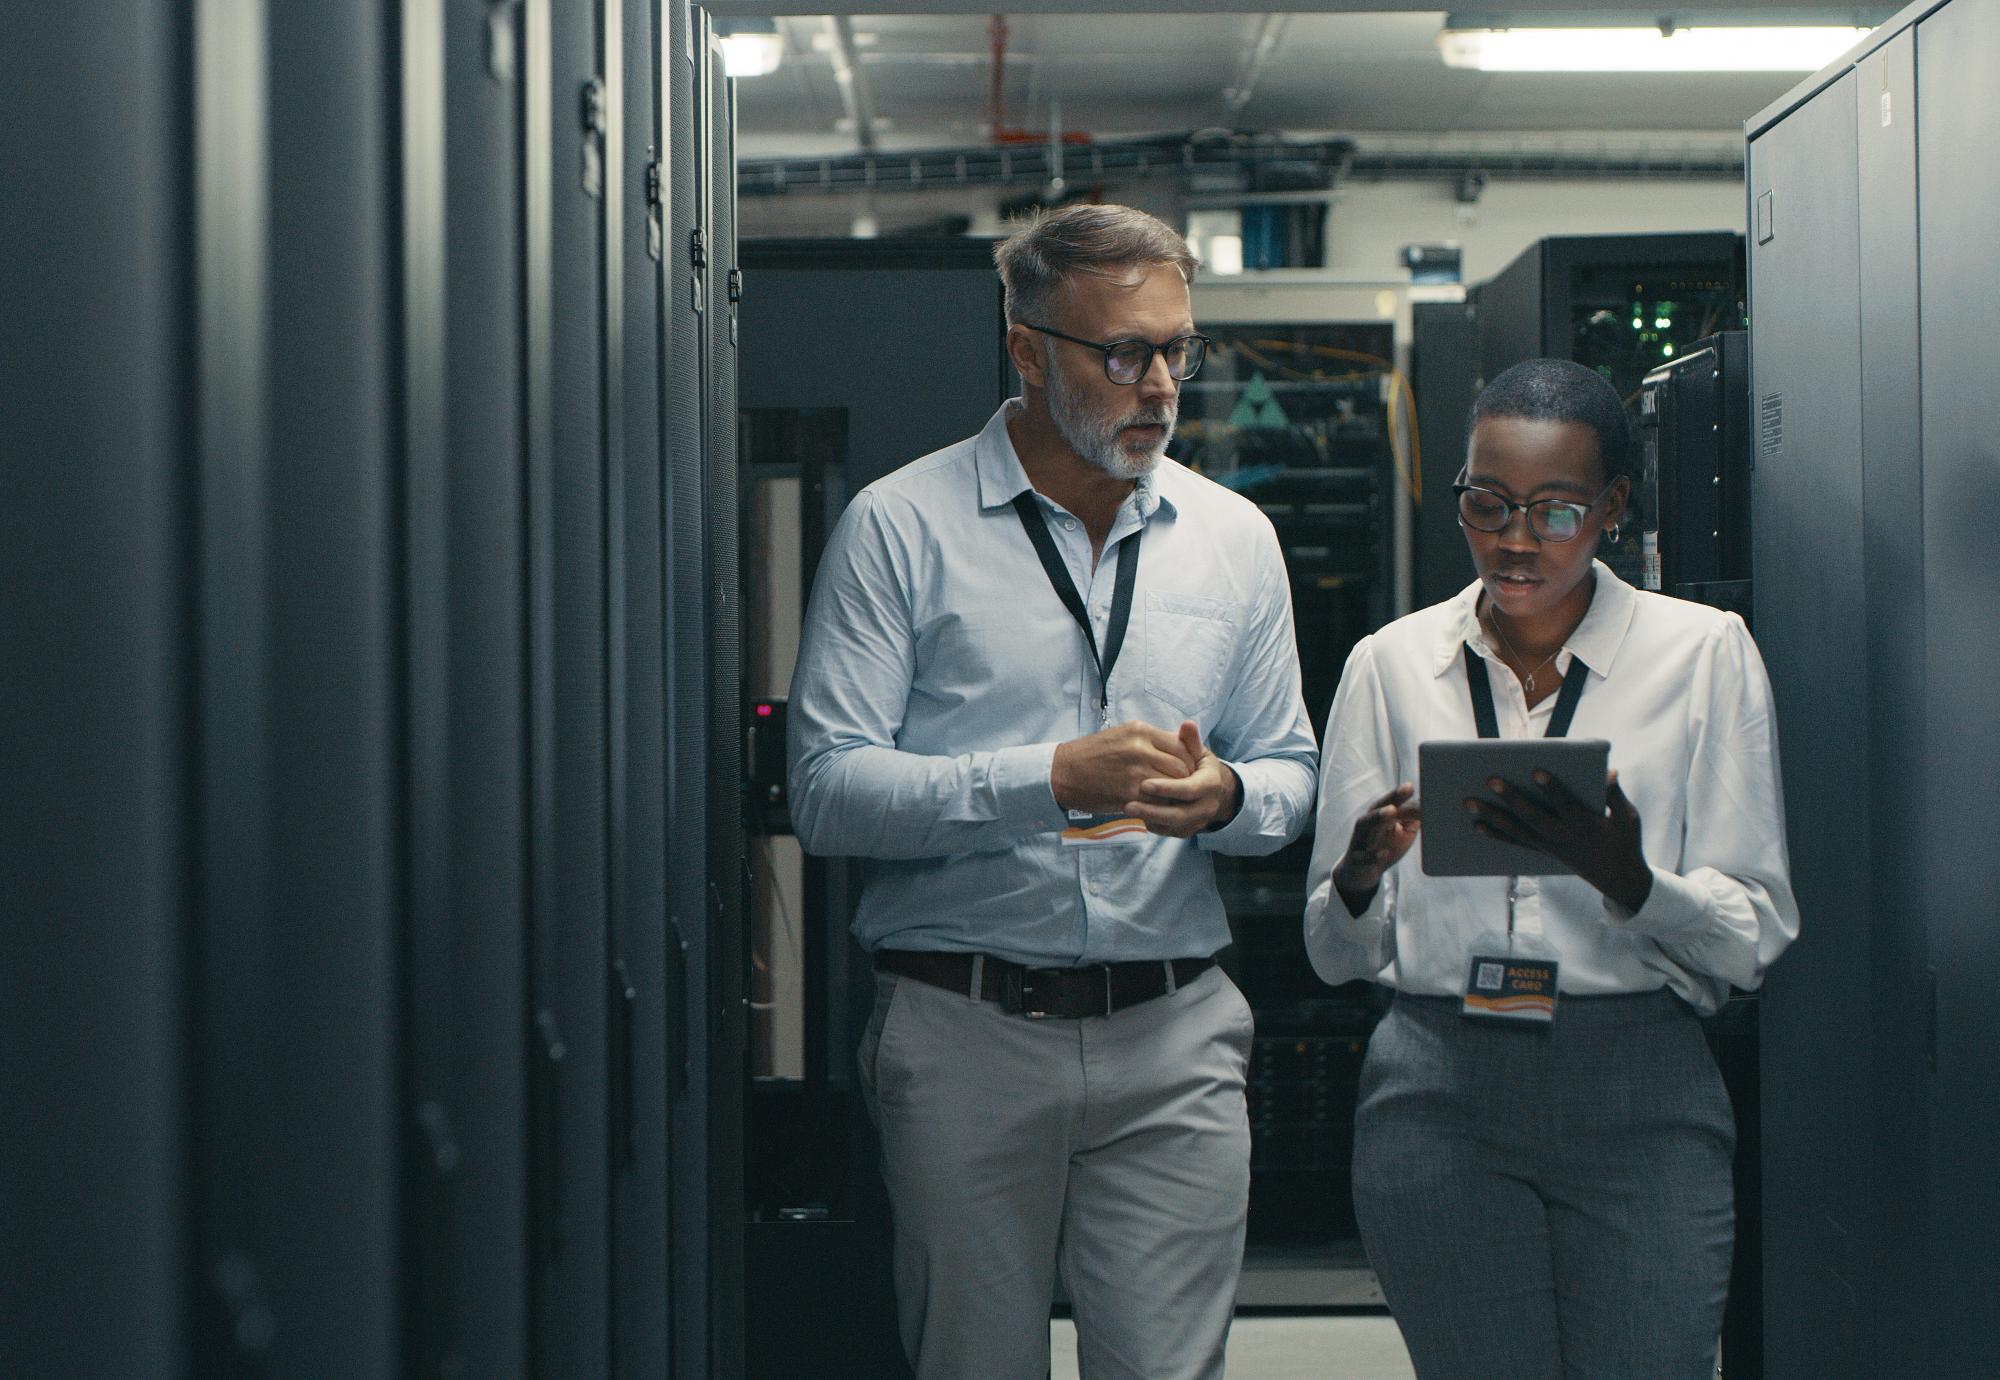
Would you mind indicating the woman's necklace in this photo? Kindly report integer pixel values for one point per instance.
(1527, 682)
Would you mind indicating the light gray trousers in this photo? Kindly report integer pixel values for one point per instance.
(1548, 1204)
(1115, 1148)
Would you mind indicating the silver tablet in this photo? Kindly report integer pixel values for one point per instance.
(1450, 772)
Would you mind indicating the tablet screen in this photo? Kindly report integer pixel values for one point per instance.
(1450, 772)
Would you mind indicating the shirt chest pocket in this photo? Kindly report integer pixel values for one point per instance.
(1190, 645)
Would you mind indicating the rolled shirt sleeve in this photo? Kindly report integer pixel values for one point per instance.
(853, 791)
(1355, 769)
(1264, 732)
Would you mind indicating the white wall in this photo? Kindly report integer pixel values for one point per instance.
(1372, 223)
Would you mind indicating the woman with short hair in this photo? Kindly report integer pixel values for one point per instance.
(1547, 1198)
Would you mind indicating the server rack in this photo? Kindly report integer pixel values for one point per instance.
(1621, 304)
(93, 556)
(722, 290)
(374, 599)
(1445, 374)
(1693, 489)
(690, 931)
(1618, 303)
(1298, 418)
(834, 333)
(1871, 197)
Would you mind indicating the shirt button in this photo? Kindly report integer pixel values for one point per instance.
(1069, 524)
(1090, 887)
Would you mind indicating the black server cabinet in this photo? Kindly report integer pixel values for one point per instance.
(1950, 836)
(715, 174)
(94, 873)
(1621, 304)
(1618, 303)
(1895, 466)
(568, 656)
(347, 421)
(300, 727)
(684, 419)
(1872, 198)
(642, 1302)
(850, 324)
(833, 334)
(1445, 376)
(464, 1054)
(1693, 485)
(1808, 581)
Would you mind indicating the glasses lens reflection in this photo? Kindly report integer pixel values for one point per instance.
(1554, 522)
(1128, 361)
(1550, 519)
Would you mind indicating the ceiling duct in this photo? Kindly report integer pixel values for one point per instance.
(1215, 162)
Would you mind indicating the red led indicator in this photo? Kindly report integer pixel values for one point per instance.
(763, 711)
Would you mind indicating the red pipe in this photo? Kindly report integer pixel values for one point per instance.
(996, 102)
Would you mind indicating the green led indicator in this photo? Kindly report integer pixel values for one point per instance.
(1637, 323)
(1666, 349)
(1663, 321)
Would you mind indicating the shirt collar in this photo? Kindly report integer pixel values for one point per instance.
(1001, 478)
(1596, 639)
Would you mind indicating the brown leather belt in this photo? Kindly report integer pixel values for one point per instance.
(1046, 993)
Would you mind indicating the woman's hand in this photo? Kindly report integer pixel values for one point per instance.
(1381, 837)
(1602, 847)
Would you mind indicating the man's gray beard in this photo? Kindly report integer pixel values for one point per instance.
(1095, 438)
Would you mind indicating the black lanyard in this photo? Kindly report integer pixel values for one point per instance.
(1121, 592)
(1482, 696)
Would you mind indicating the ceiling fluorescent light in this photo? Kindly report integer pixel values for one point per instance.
(751, 47)
(1799, 48)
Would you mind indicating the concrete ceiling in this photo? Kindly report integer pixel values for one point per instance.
(1119, 74)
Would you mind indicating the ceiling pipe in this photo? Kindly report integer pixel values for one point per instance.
(855, 94)
(1270, 32)
(996, 99)
(1177, 156)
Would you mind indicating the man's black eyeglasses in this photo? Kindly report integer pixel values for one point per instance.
(1551, 519)
(1126, 361)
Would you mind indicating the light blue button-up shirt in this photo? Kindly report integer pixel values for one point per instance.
(939, 671)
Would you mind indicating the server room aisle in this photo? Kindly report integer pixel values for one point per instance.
(1318, 1347)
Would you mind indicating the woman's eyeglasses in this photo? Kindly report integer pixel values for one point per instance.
(1551, 519)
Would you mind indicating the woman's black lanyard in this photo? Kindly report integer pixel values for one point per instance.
(1121, 593)
(1482, 696)
(1489, 724)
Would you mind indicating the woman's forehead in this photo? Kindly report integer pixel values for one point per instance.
(1529, 454)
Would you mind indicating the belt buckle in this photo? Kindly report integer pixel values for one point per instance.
(1016, 994)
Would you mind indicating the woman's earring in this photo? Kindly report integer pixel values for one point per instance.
(1612, 533)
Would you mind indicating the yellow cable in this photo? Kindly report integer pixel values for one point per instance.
(1410, 472)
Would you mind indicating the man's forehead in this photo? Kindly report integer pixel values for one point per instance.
(1148, 292)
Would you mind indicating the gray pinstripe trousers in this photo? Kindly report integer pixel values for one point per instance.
(1548, 1202)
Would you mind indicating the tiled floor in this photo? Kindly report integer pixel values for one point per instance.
(1268, 1347)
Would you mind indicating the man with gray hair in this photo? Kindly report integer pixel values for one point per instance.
(1037, 751)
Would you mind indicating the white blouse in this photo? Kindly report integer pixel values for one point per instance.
(1681, 694)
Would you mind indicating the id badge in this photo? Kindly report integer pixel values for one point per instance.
(1087, 830)
(1512, 981)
